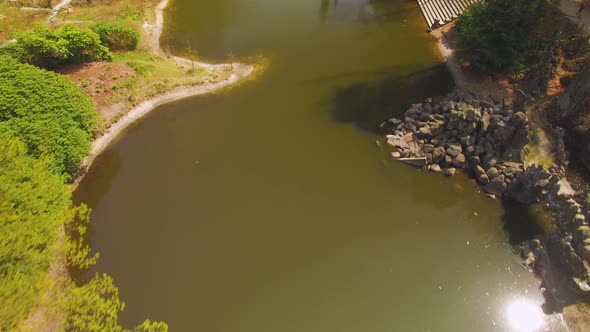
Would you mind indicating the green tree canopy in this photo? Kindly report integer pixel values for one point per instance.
(503, 35)
(34, 202)
(47, 112)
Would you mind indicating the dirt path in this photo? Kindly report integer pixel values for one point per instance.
(446, 50)
(155, 33)
(55, 10)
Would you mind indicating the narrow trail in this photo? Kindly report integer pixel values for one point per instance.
(55, 10)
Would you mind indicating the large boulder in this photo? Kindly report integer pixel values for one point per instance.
(496, 187)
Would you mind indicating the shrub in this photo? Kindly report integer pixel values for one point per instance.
(117, 36)
(49, 48)
(504, 35)
(47, 112)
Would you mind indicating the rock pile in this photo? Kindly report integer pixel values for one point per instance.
(462, 132)
(489, 140)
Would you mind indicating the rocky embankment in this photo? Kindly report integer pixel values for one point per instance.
(490, 141)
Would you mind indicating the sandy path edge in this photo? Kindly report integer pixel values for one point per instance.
(240, 71)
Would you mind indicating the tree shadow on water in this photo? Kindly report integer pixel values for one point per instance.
(368, 104)
(520, 222)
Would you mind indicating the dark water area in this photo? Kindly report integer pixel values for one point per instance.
(270, 207)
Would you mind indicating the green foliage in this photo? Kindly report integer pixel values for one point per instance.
(148, 326)
(117, 36)
(47, 112)
(50, 48)
(140, 68)
(94, 307)
(505, 35)
(77, 250)
(13, 50)
(34, 202)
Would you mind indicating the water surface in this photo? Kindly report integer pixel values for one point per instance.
(269, 207)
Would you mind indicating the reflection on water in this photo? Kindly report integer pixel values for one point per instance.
(524, 316)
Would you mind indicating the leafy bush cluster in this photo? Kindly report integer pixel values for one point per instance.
(505, 35)
(47, 112)
(50, 48)
(117, 36)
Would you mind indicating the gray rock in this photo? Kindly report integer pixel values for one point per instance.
(450, 171)
(492, 172)
(496, 186)
(428, 148)
(483, 179)
(454, 150)
(584, 251)
(490, 163)
(435, 168)
(520, 138)
(478, 170)
(438, 155)
(459, 161)
(396, 155)
(425, 131)
(448, 160)
(474, 160)
(484, 122)
(510, 171)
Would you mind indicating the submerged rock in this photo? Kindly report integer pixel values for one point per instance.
(450, 171)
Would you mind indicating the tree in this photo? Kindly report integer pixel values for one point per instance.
(34, 202)
(503, 35)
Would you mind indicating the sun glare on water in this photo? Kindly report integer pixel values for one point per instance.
(524, 316)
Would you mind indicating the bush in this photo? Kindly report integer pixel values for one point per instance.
(47, 112)
(505, 35)
(117, 36)
(49, 48)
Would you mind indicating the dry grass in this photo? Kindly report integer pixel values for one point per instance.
(13, 18)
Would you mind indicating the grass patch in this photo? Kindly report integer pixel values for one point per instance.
(13, 19)
(155, 76)
(534, 157)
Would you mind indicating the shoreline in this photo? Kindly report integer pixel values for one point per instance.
(154, 32)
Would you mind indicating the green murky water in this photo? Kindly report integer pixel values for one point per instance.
(269, 207)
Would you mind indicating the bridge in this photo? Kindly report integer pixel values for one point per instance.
(442, 11)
